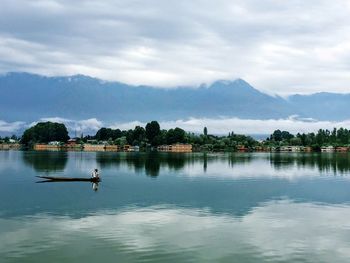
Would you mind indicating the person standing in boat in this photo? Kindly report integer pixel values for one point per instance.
(95, 174)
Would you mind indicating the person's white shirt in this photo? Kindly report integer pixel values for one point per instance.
(95, 174)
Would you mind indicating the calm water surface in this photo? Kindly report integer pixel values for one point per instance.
(257, 207)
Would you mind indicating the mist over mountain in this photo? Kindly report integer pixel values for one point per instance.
(28, 97)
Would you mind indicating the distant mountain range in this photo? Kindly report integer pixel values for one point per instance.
(28, 97)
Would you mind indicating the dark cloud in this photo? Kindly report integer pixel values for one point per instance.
(279, 46)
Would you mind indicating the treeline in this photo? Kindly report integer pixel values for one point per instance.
(8, 139)
(153, 135)
(149, 136)
(336, 137)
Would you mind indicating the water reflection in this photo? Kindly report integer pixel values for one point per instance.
(153, 163)
(324, 162)
(281, 231)
(94, 185)
(46, 161)
(150, 162)
(202, 208)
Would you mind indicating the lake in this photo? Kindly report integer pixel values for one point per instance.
(149, 207)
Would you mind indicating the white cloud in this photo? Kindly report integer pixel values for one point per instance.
(245, 126)
(79, 126)
(279, 47)
(75, 126)
(10, 127)
(275, 231)
(219, 126)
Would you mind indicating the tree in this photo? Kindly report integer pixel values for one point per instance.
(176, 135)
(121, 141)
(139, 134)
(205, 131)
(296, 141)
(130, 136)
(277, 136)
(44, 132)
(152, 131)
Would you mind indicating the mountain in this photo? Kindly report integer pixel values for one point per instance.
(28, 97)
(324, 105)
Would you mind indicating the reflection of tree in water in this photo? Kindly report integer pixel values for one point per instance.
(153, 162)
(46, 161)
(324, 162)
(152, 165)
(237, 158)
(150, 162)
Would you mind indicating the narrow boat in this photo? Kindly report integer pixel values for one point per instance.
(69, 179)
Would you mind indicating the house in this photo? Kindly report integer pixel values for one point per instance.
(94, 147)
(54, 143)
(327, 149)
(112, 148)
(308, 149)
(72, 142)
(242, 148)
(178, 147)
(126, 147)
(54, 146)
(130, 148)
(73, 145)
(291, 148)
(163, 148)
(134, 149)
(342, 149)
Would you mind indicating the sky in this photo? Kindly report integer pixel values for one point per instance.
(280, 47)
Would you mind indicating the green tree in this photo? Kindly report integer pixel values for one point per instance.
(176, 135)
(130, 136)
(296, 141)
(153, 132)
(121, 141)
(205, 131)
(44, 132)
(139, 134)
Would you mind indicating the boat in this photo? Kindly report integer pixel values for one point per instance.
(70, 179)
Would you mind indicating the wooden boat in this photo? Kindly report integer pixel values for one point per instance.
(69, 179)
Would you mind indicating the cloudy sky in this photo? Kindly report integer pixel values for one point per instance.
(278, 46)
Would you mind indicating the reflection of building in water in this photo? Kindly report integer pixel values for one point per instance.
(178, 147)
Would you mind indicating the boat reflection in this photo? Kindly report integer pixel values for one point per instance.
(94, 184)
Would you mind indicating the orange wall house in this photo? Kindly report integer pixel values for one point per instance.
(178, 147)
